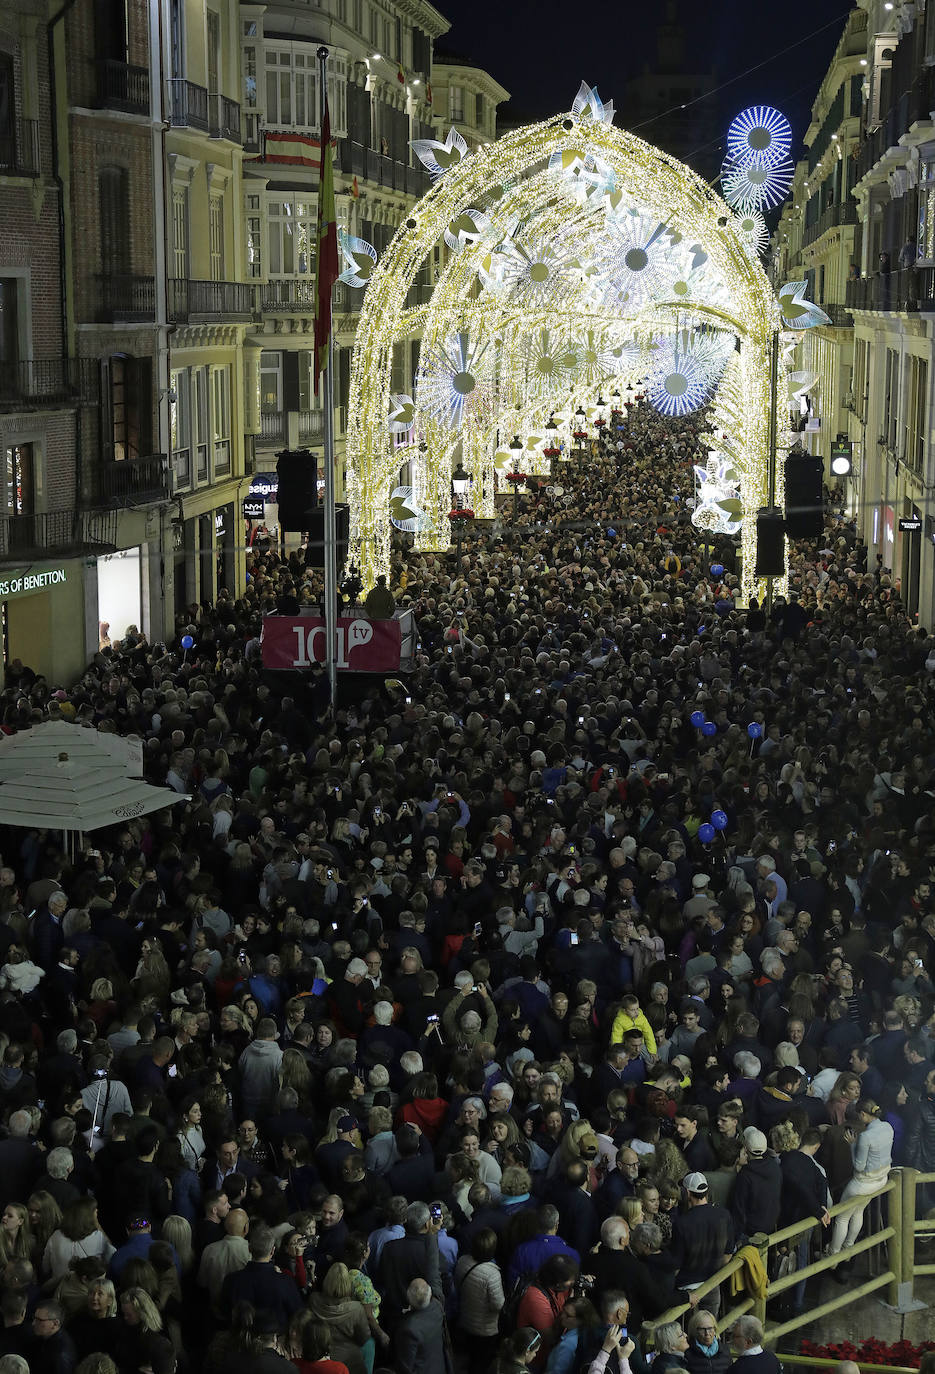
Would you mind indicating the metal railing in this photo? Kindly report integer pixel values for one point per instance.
(840, 316)
(122, 87)
(224, 117)
(311, 424)
(215, 299)
(845, 213)
(57, 532)
(912, 107)
(288, 294)
(896, 1230)
(48, 381)
(188, 104)
(272, 427)
(125, 297)
(133, 480)
(908, 289)
(19, 148)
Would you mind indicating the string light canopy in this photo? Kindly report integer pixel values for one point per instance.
(577, 258)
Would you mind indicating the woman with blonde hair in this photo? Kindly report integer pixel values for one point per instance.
(631, 1209)
(784, 1137)
(16, 1238)
(351, 1342)
(142, 1343)
(178, 1232)
(843, 1098)
(670, 1165)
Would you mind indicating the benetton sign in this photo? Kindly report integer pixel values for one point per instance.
(18, 583)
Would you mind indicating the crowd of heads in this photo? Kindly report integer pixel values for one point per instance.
(464, 959)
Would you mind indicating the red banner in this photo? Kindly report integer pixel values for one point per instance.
(293, 642)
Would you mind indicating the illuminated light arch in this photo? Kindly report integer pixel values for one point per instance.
(573, 234)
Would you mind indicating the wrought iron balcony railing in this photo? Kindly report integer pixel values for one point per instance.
(134, 480)
(57, 532)
(19, 148)
(122, 87)
(47, 382)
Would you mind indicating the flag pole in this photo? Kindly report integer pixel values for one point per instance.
(330, 528)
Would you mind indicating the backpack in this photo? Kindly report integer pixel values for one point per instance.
(506, 1322)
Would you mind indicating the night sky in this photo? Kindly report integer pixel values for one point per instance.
(540, 50)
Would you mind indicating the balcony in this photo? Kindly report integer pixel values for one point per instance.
(122, 87)
(61, 533)
(841, 317)
(188, 105)
(19, 148)
(288, 295)
(311, 425)
(908, 290)
(194, 301)
(134, 481)
(224, 118)
(43, 382)
(126, 299)
(272, 427)
(835, 215)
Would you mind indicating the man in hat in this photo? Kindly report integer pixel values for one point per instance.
(756, 1199)
(702, 1237)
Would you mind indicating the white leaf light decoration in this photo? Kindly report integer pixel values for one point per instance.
(587, 104)
(405, 512)
(718, 507)
(360, 257)
(797, 312)
(466, 228)
(438, 157)
(402, 413)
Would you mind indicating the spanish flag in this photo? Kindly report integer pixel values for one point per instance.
(428, 92)
(327, 260)
(355, 189)
(400, 75)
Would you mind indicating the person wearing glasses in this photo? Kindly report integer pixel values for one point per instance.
(746, 1340)
(671, 1345)
(705, 1354)
(53, 1350)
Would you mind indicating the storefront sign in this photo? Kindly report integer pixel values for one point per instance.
(254, 508)
(18, 583)
(264, 486)
(363, 646)
(910, 524)
(219, 529)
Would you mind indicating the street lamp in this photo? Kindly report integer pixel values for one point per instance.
(551, 449)
(515, 477)
(460, 486)
(581, 430)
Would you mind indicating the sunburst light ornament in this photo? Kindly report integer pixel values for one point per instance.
(754, 185)
(446, 387)
(759, 135)
(686, 369)
(753, 231)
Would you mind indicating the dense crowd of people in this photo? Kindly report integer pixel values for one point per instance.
(447, 1031)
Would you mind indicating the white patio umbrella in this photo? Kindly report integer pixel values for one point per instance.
(76, 795)
(41, 746)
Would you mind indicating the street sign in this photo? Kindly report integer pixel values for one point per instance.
(842, 456)
(910, 524)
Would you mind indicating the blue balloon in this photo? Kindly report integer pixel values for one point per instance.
(187, 642)
(719, 820)
(754, 729)
(611, 534)
(697, 719)
(717, 569)
(706, 833)
(709, 728)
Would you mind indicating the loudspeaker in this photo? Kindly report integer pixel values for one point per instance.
(315, 553)
(770, 548)
(298, 488)
(804, 496)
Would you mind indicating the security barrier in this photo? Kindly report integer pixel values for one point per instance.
(891, 1228)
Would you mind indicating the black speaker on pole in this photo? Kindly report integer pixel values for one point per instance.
(315, 553)
(297, 469)
(804, 496)
(770, 546)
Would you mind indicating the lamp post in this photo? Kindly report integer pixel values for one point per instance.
(551, 450)
(515, 477)
(581, 432)
(460, 486)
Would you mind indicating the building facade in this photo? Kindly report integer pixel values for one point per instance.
(158, 204)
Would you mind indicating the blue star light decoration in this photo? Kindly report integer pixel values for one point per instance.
(797, 312)
(759, 135)
(360, 258)
(686, 368)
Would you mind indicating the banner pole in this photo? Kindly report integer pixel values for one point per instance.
(330, 527)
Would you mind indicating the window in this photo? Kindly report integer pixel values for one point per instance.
(925, 236)
(200, 428)
(216, 237)
(270, 383)
(891, 397)
(221, 419)
(19, 480)
(113, 197)
(292, 237)
(481, 112)
(214, 52)
(180, 427)
(176, 39)
(129, 395)
(291, 89)
(915, 414)
(110, 30)
(9, 321)
(254, 237)
(456, 104)
(7, 111)
(859, 378)
(250, 109)
(180, 232)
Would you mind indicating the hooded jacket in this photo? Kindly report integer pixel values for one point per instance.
(259, 1075)
(757, 1195)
